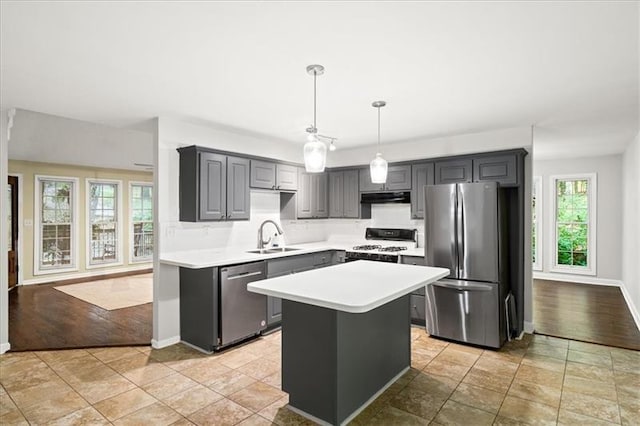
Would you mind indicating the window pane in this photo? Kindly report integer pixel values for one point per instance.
(55, 223)
(564, 258)
(142, 216)
(104, 222)
(572, 221)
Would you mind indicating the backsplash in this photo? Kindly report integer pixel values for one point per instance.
(178, 236)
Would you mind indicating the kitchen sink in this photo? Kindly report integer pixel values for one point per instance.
(272, 250)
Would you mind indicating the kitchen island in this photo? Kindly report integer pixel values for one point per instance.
(345, 333)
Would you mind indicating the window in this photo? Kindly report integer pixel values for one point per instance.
(141, 222)
(104, 222)
(55, 230)
(536, 217)
(574, 210)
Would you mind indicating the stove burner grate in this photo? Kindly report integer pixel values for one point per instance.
(392, 248)
(368, 247)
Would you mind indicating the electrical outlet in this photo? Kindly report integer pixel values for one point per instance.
(28, 222)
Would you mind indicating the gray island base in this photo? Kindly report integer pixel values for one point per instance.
(346, 333)
(335, 363)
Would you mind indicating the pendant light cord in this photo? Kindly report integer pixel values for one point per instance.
(315, 76)
(378, 128)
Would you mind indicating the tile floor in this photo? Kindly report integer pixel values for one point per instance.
(538, 380)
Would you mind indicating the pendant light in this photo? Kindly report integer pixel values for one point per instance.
(378, 166)
(315, 151)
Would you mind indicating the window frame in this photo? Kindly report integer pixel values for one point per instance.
(37, 231)
(537, 192)
(132, 259)
(119, 225)
(592, 194)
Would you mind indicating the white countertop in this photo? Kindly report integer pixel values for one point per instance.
(197, 259)
(353, 287)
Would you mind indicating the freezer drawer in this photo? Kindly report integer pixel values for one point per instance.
(464, 311)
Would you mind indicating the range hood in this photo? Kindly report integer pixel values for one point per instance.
(385, 197)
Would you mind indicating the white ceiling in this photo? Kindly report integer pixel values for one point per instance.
(444, 68)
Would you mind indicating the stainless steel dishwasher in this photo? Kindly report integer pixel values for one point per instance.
(242, 313)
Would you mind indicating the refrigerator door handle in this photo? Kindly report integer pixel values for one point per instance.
(466, 287)
(460, 231)
(454, 237)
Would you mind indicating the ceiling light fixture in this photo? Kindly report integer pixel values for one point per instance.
(378, 166)
(315, 151)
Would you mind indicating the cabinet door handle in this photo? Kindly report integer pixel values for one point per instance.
(229, 217)
(278, 187)
(273, 187)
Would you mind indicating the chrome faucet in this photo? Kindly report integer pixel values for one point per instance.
(261, 241)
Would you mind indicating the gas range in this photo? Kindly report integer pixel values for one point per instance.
(379, 247)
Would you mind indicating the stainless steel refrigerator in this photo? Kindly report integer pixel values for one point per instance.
(465, 230)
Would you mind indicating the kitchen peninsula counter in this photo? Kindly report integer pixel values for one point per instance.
(345, 333)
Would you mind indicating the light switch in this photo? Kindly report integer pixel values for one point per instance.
(28, 222)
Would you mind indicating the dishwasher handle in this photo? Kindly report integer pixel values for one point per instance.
(244, 275)
(466, 287)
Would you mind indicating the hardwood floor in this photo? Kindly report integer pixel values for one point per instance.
(41, 317)
(590, 313)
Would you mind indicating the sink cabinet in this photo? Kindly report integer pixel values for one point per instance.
(291, 265)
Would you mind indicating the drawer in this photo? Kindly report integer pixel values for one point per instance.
(413, 260)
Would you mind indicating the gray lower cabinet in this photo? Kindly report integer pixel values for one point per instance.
(313, 200)
(291, 265)
(344, 194)
(453, 171)
(418, 308)
(199, 299)
(421, 175)
(213, 186)
(398, 179)
(499, 168)
(268, 175)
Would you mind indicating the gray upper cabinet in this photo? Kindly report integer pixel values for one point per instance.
(213, 186)
(453, 171)
(313, 200)
(351, 194)
(336, 194)
(365, 182)
(286, 177)
(344, 195)
(499, 168)
(263, 174)
(268, 175)
(238, 194)
(421, 174)
(398, 179)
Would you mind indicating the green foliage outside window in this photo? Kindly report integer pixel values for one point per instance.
(572, 221)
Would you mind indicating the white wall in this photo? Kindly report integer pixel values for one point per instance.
(608, 214)
(518, 137)
(631, 235)
(4, 261)
(49, 138)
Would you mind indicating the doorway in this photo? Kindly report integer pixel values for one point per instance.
(12, 226)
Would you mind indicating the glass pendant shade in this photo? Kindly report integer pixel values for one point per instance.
(378, 168)
(315, 155)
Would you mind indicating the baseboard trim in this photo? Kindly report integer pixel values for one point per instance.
(159, 344)
(90, 275)
(579, 279)
(529, 328)
(632, 307)
(4, 347)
